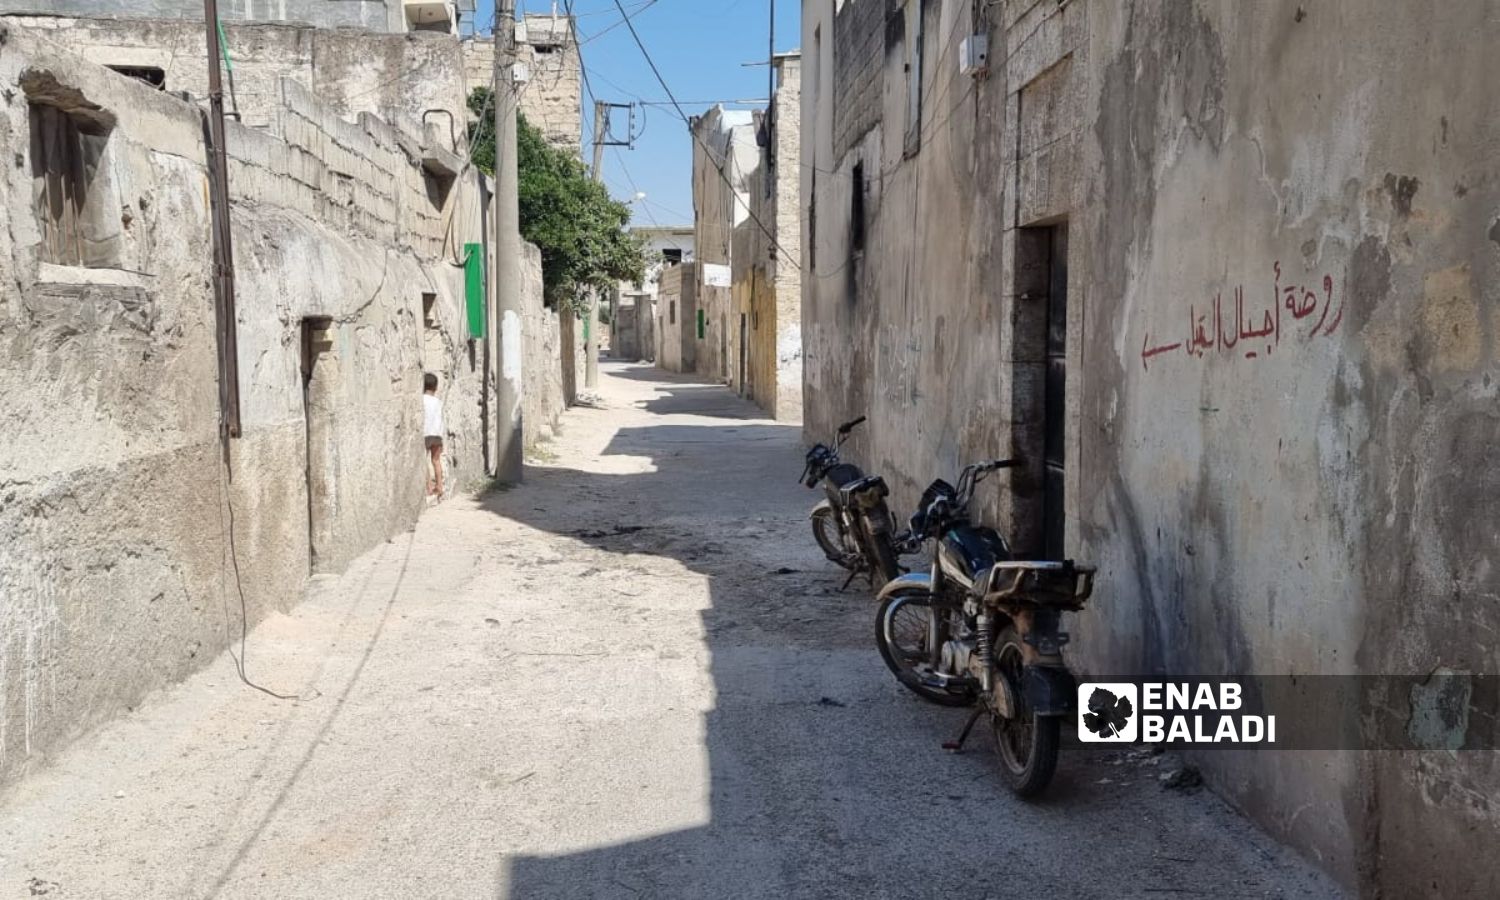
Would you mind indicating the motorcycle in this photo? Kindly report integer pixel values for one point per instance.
(983, 629)
(852, 524)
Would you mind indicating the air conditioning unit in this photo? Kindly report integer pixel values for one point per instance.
(974, 54)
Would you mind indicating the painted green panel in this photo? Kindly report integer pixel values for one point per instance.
(474, 288)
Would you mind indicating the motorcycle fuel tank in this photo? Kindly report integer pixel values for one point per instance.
(969, 549)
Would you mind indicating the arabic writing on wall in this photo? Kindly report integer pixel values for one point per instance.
(1230, 329)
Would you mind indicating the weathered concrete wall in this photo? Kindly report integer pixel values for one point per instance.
(625, 333)
(725, 158)
(676, 312)
(115, 528)
(665, 247)
(552, 100)
(372, 15)
(542, 395)
(1281, 264)
(413, 80)
(767, 275)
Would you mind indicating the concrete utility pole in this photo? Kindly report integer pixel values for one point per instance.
(591, 346)
(509, 442)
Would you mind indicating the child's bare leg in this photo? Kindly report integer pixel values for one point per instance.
(437, 468)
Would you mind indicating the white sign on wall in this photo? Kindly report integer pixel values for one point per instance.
(716, 275)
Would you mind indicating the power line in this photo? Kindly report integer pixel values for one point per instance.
(647, 4)
(644, 203)
(699, 141)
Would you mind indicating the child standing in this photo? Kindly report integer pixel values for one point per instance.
(432, 432)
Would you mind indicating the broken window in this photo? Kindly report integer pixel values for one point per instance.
(672, 256)
(153, 76)
(72, 189)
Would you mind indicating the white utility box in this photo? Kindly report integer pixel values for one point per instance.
(974, 54)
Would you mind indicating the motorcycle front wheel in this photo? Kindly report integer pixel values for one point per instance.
(1026, 745)
(830, 537)
(904, 633)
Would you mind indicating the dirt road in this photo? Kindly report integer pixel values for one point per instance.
(630, 677)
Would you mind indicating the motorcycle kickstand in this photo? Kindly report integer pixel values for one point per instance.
(845, 585)
(958, 745)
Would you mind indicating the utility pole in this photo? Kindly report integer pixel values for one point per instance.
(591, 326)
(224, 312)
(509, 443)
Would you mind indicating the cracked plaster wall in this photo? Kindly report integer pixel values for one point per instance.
(115, 574)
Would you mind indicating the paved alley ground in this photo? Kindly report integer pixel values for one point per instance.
(631, 677)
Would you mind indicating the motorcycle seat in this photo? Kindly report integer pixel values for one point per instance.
(844, 474)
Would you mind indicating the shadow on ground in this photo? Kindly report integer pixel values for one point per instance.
(827, 779)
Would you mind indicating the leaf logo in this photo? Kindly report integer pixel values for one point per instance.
(1107, 713)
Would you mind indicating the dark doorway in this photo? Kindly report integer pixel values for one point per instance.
(318, 376)
(744, 356)
(1041, 380)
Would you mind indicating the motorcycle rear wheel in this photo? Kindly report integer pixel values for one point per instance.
(1026, 746)
(902, 635)
(830, 537)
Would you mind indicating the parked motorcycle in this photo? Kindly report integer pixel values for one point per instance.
(852, 525)
(983, 629)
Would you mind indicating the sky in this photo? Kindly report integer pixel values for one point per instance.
(699, 46)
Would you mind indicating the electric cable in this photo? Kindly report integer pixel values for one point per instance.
(790, 257)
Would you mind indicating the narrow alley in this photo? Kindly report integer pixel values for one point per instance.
(632, 676)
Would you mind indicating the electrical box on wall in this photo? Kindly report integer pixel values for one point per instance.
(974, 54)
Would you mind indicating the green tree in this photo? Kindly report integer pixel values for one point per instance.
(579, 228)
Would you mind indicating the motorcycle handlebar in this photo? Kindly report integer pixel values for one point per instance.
(994, 464)
(850, 426)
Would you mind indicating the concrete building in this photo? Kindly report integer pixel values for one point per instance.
(725, 156)
(126, 529)
(420, 79)
(552, 99)
(394, 16)
(677, 340)
(416, 80)
(767, 291)
(634, 326)
(1226, 275)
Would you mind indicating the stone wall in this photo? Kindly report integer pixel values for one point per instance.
(1279, 270)
(124, 537)
(543, 398)
(415, 80)
(725, 158)
(766, 269)
(552, 98)
(371, 15)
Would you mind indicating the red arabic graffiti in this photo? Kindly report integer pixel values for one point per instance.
(1227, 328)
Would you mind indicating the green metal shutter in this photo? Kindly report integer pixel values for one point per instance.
(474, 289)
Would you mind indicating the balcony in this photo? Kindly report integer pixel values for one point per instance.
(431, 15)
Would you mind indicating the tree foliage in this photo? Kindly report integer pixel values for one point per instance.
(579, 228)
